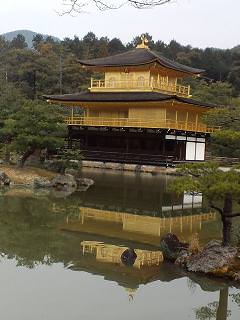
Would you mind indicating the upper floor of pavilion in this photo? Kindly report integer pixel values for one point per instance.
(140, 70)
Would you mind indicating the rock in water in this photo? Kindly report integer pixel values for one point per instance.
(4, 179)
(64, 182)
(63, 186)
(41, 183)
(83, 184)
(213, 259)
(171, 247)
(73, 172)
(128, 257)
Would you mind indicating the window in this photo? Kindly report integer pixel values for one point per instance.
(112, 82)
(140, 81)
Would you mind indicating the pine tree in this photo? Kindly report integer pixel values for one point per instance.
(222, 189)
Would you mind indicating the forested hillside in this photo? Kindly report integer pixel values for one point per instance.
(28, 34)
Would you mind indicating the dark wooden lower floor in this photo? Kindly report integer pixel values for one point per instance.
(128, 146)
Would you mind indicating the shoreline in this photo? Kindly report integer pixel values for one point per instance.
(27, 175)
(129, 167)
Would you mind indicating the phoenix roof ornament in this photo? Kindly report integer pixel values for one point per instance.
(144, 44)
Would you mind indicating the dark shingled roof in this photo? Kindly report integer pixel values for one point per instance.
(123, 97)
(138, 57)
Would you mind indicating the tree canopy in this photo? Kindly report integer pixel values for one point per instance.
(226, 142)
(52, 66)
(28, 125)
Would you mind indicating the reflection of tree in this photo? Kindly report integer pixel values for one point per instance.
(28, 231)
(236, 298)
(215, 310)
(207, 312)
(191, 285)
(222, 312)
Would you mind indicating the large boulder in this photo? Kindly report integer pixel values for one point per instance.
(213, 259)
(4, 179)
(172, 247)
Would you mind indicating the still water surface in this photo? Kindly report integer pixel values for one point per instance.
(60, 258)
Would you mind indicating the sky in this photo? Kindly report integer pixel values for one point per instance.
(200, 23)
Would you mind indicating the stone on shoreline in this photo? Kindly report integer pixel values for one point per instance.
(214, 259)
(41, 183)
(4, 179)
(73, 172)
(63, 186)
(83, 184)
(67, 183)
(64, 182)
(172, 248)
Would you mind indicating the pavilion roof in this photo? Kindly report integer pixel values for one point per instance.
(123, 97)
(139, 57)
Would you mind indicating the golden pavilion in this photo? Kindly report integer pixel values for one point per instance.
(137, 110)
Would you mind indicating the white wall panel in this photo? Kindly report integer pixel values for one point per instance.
(190, 150)
(200, 151)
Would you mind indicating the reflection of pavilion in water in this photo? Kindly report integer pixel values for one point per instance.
(106, 259)
(137, 228)
(109, 253)
(129, 210)
(139, 194)
(106, 234)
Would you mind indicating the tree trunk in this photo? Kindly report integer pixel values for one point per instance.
(226, 220)
(25, 156)
(222, 310)
(227, 227)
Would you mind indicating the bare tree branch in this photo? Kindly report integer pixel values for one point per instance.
(217, 209)
(77, 6)
(234, 215)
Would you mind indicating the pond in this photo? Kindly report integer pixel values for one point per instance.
(61, 258)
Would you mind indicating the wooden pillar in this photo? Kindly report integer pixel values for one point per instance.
(196, 121)
(186, 127)
(180, 150)
(127, 144)
(72, 115)
(176, 119)
(163, 147)
(86, 140)
(176, 149)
